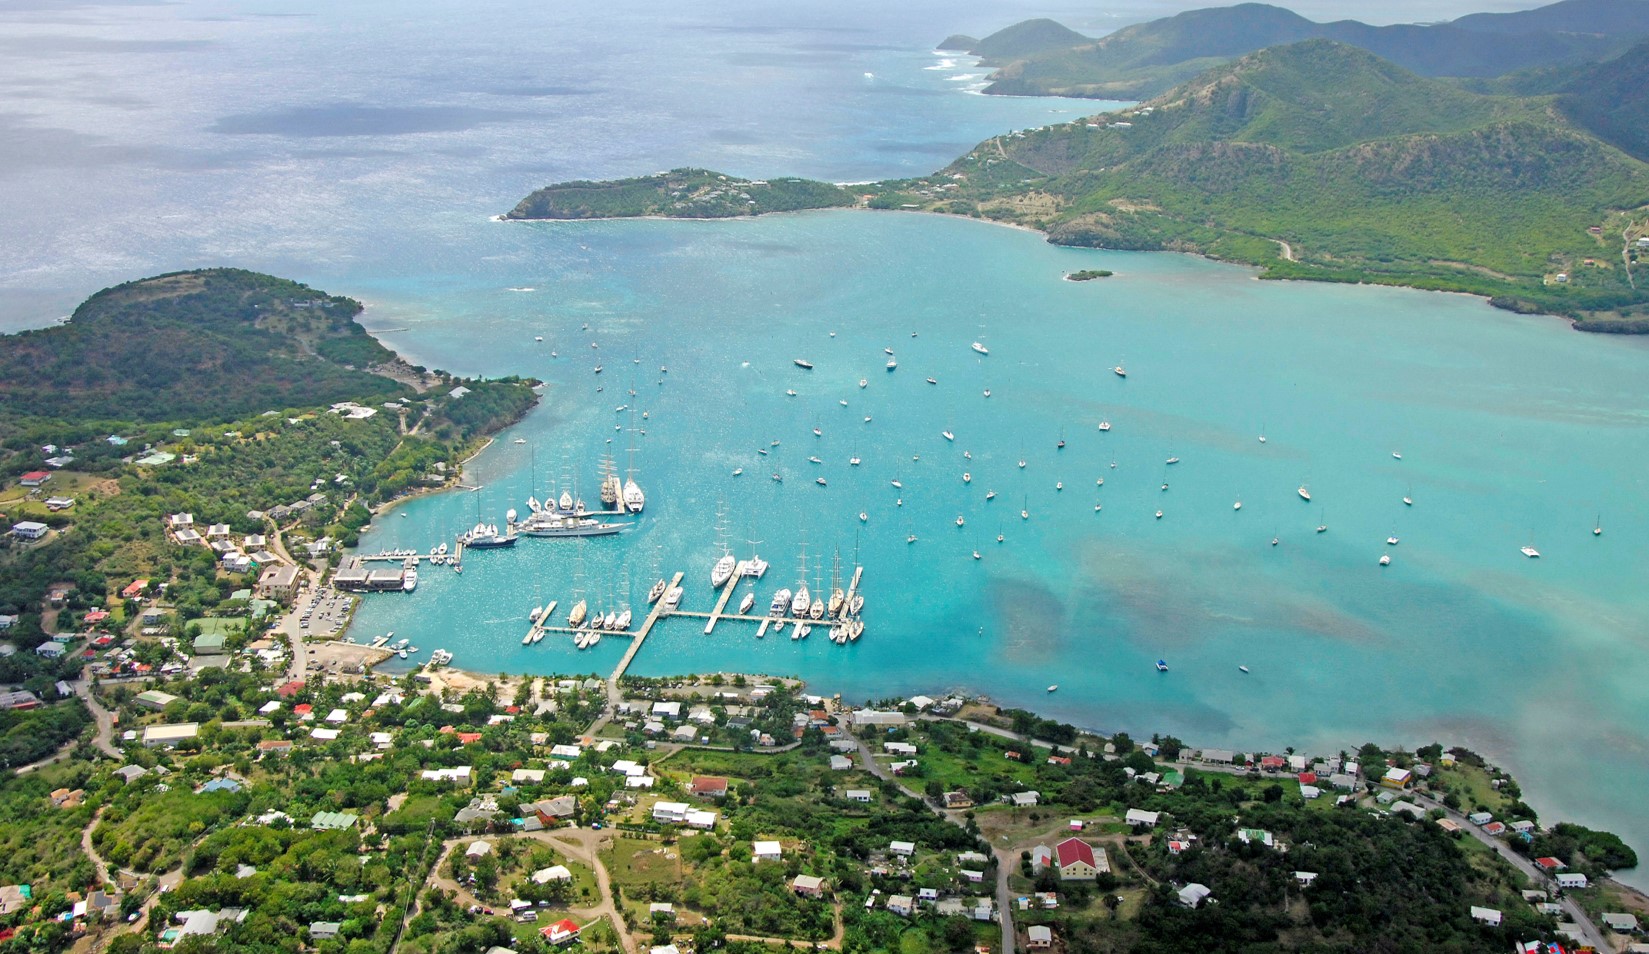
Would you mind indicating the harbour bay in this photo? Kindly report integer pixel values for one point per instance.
(1462, 638)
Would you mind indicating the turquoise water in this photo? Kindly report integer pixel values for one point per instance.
(1513, 430)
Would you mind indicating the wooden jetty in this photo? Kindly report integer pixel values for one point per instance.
(721, 604)
(641, 634)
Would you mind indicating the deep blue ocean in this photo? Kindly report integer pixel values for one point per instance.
(365, 152)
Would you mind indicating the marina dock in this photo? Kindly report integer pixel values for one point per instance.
(721, 604)
(641, 634)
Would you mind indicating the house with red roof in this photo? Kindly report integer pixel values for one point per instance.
(35, 478)
(1308, 778)
(1494, 829)
(303, 710)
(1273, 763)
(1550, 864)
(289, 689)
(96, 616)
(134, 589)
(708, 786)
(561, 932)
(1058, 760)
(468, 738)
(1078, 862)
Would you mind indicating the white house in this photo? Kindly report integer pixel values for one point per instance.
(1137, 816)
(767, 851)
(673, 813)
(1193, 895)
(552, 873)
(478, 849)
(860, 795)
(903, 849)
(667, 710)
(1572, 879)
(901, 904)
(1488, 916)
(840, 763)
(898, 748)
(698, 818)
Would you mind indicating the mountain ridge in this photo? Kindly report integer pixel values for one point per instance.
(1147, 59)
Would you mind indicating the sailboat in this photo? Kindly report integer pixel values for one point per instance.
(723, 570)
(838, 599)
(1061, 444)
(575, 617)
(802, 600)
(1597, 528)
(1304, 493)
(634, 499)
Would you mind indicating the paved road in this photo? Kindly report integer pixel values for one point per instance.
(1589, 930)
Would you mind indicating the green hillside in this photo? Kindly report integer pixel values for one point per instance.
(1359, 170)
(1027, 38)
(1609, 100)
(215, 344)
(1147, 59)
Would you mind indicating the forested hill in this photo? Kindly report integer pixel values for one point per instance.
(214, 344)
(1147, 59)
(1319, 160)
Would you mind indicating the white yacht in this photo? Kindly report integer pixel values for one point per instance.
(780, 604)
(634, 499)
(1530, 552)
(980, 348)
(1304, 493)
(801, 602)
(745, 604)
(947, 435)
(723, 570)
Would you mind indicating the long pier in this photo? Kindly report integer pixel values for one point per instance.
(641, 634)
(721, 604)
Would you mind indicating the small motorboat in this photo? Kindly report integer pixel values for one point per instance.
(967, 455)
(967, 478)
(1530, 552)
(987, 392)
(777, 478)
(1162, 666)
(863, 516)
(932, 381)
(1021, 464)
(789, 392)
(745, 604)
(814, 460)
(1054, 687)
(1391, 541)
(1059, 485)
(1408, 501)
(898, 485)
(1396, 456)
(1172, 460)
(1104, 425)
(1159, 514)
(1237, 505)
(1275, 541)
(959, 520)
(804, 365)
(737, 471)
(817, 432)
(990, 495)
(853, 461)
(910, 538)
(1119, 372)
(976, 555)
(820, 481)
(864, 382)
(1385, 560)
(1242, 669)
(842, 402)
(947, 435)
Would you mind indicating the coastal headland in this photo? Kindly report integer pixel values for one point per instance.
(1315, 161)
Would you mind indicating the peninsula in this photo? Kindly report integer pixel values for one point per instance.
(1315, 160)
